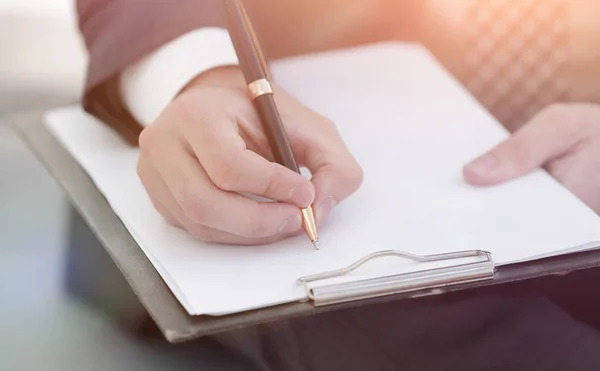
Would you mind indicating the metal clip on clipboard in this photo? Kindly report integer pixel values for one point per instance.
(401, 283)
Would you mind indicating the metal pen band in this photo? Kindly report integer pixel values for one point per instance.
(259, 87)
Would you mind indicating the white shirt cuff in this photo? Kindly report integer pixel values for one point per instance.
(149, 85)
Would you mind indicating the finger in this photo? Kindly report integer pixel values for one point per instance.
(167, 206)
(335, 172)
(549, 134)
(232, 167)
(205, 204)
(212, 235)
(158, 192)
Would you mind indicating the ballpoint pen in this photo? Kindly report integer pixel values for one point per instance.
(255, 71)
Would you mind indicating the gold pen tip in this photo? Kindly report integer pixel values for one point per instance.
(316, 244)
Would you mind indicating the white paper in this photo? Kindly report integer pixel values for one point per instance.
(411, 127)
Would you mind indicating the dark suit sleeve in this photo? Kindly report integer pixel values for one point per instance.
(117, 33)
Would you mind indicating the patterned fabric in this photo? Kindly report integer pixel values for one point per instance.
(517, 55)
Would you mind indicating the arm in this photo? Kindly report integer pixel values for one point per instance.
(205, 147)
(142, 53)
(118, 33)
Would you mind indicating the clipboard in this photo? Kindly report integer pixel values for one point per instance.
(177, 326)
(460, 271)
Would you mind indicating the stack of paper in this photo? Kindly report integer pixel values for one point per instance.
(411, 127)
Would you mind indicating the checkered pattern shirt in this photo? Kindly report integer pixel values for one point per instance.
(517, 56)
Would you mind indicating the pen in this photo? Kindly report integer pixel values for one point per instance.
(254, 69)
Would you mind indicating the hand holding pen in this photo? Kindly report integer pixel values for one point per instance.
(209, 146)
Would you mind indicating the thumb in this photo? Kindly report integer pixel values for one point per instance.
(548, 135)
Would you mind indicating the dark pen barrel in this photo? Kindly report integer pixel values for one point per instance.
(244, 42)
(255, 72)
(276, 135)
(253, 67)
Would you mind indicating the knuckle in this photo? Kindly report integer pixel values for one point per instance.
(140, 169)
(144, 172)
(273, 184)
(225, 174)
(328, 122)
(257, 228)
(331, 127)
(354, 174)
(195, 207)
(148, 138)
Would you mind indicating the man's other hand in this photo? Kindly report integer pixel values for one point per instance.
(564, 139)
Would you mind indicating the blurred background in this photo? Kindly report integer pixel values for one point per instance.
(42, 65)
(42, 58)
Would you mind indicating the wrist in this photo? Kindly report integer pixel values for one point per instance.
(225, 76)
(150, 84)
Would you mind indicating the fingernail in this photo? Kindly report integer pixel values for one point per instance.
(302, 195)
(325, 209)
(484, 165)
(291, 225)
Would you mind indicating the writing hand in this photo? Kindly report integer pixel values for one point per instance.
(208, 147)
(564, 139)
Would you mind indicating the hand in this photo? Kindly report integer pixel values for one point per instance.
(564, 139)
(207, 148)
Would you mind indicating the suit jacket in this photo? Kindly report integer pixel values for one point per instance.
(118, 32)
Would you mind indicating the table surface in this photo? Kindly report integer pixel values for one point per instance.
(156, 297)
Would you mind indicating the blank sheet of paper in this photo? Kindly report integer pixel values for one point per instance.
(411, 127)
